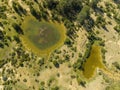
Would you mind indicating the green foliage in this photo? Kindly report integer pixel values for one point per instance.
(36, 13)
(103, 50)
(16, 38)
(88, 50)
(92, 38)
(3, 8)
(1, 35)
(88, 24)
(52, 4)
(82, 59)
(41, 62)
(19, 9)
(13, 62)
(94, 3)
(102, 43)
(3, 15)
(117, 18)
(55, 88)
(2, 63)
(17, 28)
(100, 21)
(1, 45)
(8, 87)
(68, 42)
(117, 1)
(24, 80)
(56, 64)
(51, 81)
(84, 14)
(81, 82)
(117, 65)
(4, 78)
(114, 86)
(69, 8)
(78, 64)
(117, 28)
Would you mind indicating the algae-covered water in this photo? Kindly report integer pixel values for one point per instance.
(42, 37)
(93, 62)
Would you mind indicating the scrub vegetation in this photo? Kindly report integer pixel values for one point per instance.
(59, 44)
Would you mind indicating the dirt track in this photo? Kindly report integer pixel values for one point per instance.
(111, 74)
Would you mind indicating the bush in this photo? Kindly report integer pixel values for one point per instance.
(100, 20)
(35, 13)
(18, 9)
(52, 4)
(68, 42)
(55, 88)
(117, 65)
(3, 8)
(94, 3)
(41, 62)
(17, 28)
(3, 15)
(69, 8)
(56, 64)
(2, 63)
(24, 80)
(117, 28)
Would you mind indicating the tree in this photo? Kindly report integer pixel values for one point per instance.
(41, 62)
(68, 42)
(19, 9)
(24, 80)
(117, 65)
(52, 4)
(8, 87)
(55, 88)
(117, 28)
(69, 8)
(81, 82)
(17, 28)
(117, 1)
(1, 45)
(16, 38)
(4, 78)
(36, 13)
(2, 63)
(77, 65)
(56, 64)
(3, 8)
(88, 24)
(100, 20)
(3, 15)
(1, 35)
(94, 3)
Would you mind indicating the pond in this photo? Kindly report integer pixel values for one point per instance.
(93, 62)
(42, 37)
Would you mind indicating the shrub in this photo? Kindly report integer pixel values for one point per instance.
(56, 64)
(117, 28)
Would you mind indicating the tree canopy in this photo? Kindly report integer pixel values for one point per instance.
(69, 8)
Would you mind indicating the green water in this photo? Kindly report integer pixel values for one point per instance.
(42, 37)
(94, 61)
